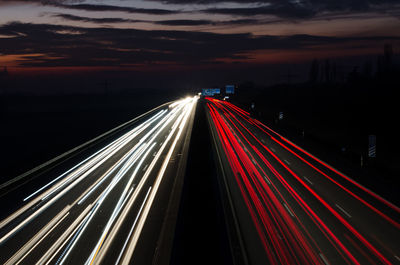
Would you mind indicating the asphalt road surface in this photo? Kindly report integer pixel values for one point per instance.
(111, 207)
(292, 208)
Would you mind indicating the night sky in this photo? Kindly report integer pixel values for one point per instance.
(137, 35)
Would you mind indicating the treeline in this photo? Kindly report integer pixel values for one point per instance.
(384, 68)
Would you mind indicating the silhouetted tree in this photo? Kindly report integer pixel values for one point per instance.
(367, 70)
(385, 62)
(354, 75)
(388, 53)
(327, 71)
(334, 73)
(314, 71)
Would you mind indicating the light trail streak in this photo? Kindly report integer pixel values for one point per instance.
(110, 152)
(75, 238)
(64, 238)
(93, 155)
(133, 227)
(181, 122)
(278, 136)
(76, 181)
(124, 213)
(113, 169)
(276, 242)
(259, 199)
(118, 207)
(32, 244)
(163, 123)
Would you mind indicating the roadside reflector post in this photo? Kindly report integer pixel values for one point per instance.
(372, 146)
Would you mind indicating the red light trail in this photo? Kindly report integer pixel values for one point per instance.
(298, 223)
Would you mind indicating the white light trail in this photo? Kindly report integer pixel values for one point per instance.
(134, 239)
(133, 227)
(44, 195)
(164, 124)
(128, 168)
(104, 148)
(124, 213)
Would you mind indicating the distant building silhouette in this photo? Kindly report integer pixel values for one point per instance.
(326, 71)
(385, 66)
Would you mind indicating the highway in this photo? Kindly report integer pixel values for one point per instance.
(111, 207)
(290, 207)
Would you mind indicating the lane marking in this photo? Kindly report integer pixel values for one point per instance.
(10, 261)
(340, 208)
(287, 162)
(262, 140)
(133, 226)
(266, 179)
(154, 153)
(324, 259)
(397, 257)
(273, 150)
(309, 181)
(63, 239)
(287, 208)
(145, 167)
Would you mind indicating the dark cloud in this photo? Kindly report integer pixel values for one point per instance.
(301, 9)
(288, 9)
(77, 5)
(326, 4)
(205, 22)
(76, 46)
(177, 22)
(280, 10)
(90, 7)
(184, 22)
(95, 20)
(241, 22)
(43, 2)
